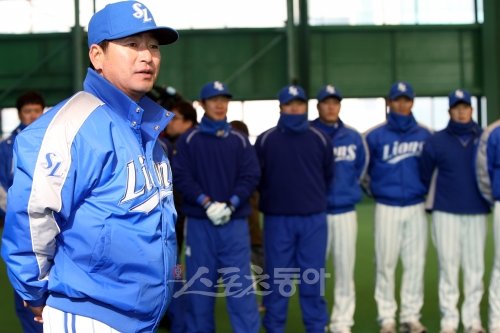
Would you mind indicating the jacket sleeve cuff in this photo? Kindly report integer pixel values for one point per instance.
(38, 302)
(203, 200)
(235, 201)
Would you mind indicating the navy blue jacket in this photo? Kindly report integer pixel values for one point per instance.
(6, 171)
(451, 156)
(393, 176)
(224, 168)
(296, 171)
(351, 159)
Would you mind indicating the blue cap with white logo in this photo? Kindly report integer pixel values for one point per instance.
(399, 89)
(329, 91)
(126, 18)
(214, 89)
(459, 96)
(291, 92)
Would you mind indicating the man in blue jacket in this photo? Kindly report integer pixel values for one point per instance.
(458, 214)
(216, 171)
(488, 177)
(89, 240)
(30, 106)
(393, 179)
(297, 163)
(350, 161)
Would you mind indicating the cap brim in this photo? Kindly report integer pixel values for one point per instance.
(215, 95)
(460, 101)
(165, 35)
(286, 101)
(394, 97)
(321, 99)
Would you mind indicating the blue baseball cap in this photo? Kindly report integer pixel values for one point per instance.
(291, 92)
(399, 89)
(213, 89)
(459, 96)
(123, 19)
(328, 91)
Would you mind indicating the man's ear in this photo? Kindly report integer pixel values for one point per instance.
(96, 54)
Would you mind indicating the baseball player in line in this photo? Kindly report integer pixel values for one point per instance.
(216, 170)
(350, 162)
(89, 240)
(393, 179)
(458, 213)
(488, 177)
(297, 163)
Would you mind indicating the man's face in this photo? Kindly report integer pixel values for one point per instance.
(178, 125)
(29, 113)
(295, 107)
(131, 64)
(461, 113)
(401, 105)
(216, 107)
(329, 109)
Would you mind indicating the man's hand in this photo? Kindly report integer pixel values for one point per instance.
(37, 311)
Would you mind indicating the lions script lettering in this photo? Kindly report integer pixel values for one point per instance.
(397, 151)
(162, 171)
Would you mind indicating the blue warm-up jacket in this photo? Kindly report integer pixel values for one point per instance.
(90, 215)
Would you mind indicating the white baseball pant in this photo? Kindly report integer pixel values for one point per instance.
(342, 233)
(459, 240)
(494, 289)
(400, 231)
(57, 321)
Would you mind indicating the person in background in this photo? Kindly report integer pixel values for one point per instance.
(350, 161)
(393, 179)
(297, 162)
(89, 241)
(254, 217)
(254, 221)
(30, 106)
(184, 119)
(488, 178)
(216, 171)
(458, 213)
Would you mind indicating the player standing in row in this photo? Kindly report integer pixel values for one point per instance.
(350, 161)
(393, 179)
(89, 240)
(216, 170)
(488, 177)
(30, 106)
(458, 213)
(296, 161)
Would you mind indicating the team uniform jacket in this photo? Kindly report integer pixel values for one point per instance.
(488, 162)
(350, 162)
(91, 228)
(395, 147)
(223, 167)
(283, 155)
(447, 168)
(6, 175)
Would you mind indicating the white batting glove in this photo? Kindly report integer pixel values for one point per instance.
(219, 213)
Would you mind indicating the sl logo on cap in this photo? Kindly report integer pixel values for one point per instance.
(141, 13)
(218, 86)
(293, 91)
(330, 89)
(459, 93)
(401, 87)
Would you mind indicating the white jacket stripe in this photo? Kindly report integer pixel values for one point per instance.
(52, 166)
